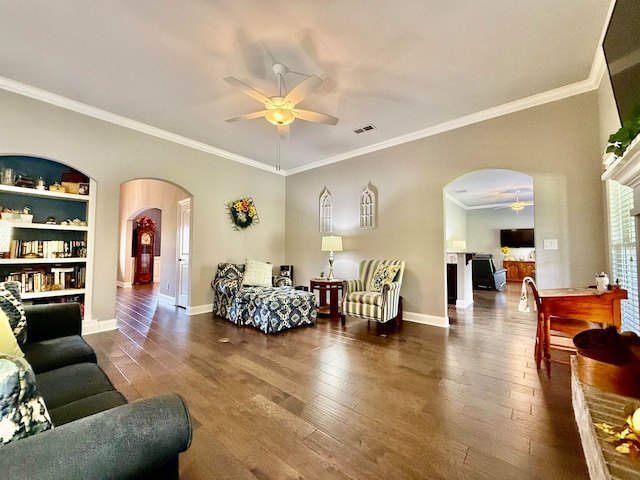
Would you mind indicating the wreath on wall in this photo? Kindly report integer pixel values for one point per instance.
(243, 213)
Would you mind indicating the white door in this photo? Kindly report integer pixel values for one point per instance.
(184, 220)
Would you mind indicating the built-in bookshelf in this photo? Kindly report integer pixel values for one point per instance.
(51, 242)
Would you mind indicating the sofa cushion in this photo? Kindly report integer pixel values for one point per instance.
(58, 352)
(22, 410)
(384, 274)
(8, 343)
(257, 274)
(86, 406)
(11, 304)
(69, 384)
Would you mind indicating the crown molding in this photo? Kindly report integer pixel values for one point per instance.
(84, 109)
(560, 93)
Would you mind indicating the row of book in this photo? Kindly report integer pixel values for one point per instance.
(55, 278)
(48, 248)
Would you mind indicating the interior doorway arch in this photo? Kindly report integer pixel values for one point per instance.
(138, 197)
(481, 203)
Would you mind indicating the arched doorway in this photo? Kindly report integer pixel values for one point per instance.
(478, 206)
(143, 197)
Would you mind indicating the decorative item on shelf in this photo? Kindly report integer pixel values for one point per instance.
(505, 251)
(56, 187)
(243, 213)
(18, 216)
(24, 181)
(51, 221)
(7, 176)
(40, 185)
(620, 141)
(145, 222)
(5, 237)
(331, 244)
(71, 187)
(83, 188)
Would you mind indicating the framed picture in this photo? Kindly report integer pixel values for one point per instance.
(83, 189)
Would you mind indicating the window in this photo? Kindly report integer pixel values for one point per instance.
(326, 212)
(624, 267)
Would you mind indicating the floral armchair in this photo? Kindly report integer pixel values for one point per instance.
(376, 294)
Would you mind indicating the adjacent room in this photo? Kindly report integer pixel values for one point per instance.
(319, 239)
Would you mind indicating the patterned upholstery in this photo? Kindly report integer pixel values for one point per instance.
(269, 309)
(359, 301)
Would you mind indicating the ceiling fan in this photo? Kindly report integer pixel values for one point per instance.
(280, 110)
(517, 205)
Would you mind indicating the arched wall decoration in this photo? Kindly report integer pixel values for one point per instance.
(369, 207)
(326, 211)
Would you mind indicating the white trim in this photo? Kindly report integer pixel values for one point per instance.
(95, 326)
(197, 310)
(463, 304)
(124, 284)
(425, 319)
(84, 109)
(168, 299)
(505, 109)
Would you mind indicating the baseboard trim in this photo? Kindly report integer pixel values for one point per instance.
(95, 326)
(197, 310)
(425, 319)
(463, 304)
(166, 299)
(124, 284)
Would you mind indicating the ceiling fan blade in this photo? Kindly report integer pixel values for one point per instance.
(303, 89)
(246, 89)
(283, 131)
(315, 117)
(246, 116)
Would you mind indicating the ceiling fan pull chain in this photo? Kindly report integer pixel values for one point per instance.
(278, 154)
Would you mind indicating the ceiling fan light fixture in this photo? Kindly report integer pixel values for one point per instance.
(517, 206)
(279, 116)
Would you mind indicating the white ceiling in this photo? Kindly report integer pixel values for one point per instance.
(408, 67)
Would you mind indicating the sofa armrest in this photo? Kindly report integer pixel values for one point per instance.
(354, 285)
(130, 441)
(54, 320)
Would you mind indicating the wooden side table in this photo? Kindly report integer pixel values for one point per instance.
(330, 289)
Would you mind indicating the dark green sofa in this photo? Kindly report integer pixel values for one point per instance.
(97, 434)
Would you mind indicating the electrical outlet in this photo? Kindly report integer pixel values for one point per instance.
(168, 286)
(551, 244)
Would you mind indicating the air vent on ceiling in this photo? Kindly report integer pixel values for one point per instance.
(366, 128)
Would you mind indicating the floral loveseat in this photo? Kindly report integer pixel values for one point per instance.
(247, 294)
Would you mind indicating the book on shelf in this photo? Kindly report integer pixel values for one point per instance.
(47, 248)
(38, 280)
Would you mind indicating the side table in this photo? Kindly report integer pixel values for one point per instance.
(330, 289)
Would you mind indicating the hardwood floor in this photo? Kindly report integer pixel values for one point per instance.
(330, 403)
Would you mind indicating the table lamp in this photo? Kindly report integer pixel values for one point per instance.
(5, 237)
(331, 244)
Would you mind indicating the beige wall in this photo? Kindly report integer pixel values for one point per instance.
(557, 144)
(112, 155)
(139, 195)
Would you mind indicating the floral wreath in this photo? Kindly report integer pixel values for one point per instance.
(145, 222)
(243, 213)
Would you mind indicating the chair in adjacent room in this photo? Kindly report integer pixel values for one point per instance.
(375, 295)
(555, 332)
(484, 273)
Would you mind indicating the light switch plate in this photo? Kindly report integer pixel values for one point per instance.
(551, 244)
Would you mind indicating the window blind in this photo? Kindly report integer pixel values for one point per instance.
(622, 240)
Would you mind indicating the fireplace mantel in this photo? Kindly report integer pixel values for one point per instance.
(626, 169)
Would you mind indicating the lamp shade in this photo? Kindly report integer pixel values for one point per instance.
(5, 236)
(332, 244)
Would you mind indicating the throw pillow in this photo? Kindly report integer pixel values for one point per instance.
(257, 274)
(11, 304)
(22, 409)
(8, 343)
(383, 274)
